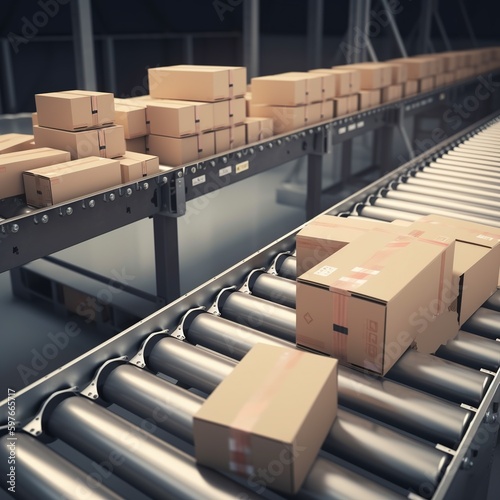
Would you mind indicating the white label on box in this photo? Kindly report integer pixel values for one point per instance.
(225, 171)
(199, 180)
(241, 167)
(325, 271)
(360, 124)
(363, 270)
(351, 127)
(353, 281)
(342, 130)
(484, 237)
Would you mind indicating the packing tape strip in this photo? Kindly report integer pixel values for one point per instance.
(197, 119)
(231, 83)
(241, 427)
(101, 139)
(94, 109)
(340, 325)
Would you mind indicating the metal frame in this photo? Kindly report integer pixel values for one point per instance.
(251, 25)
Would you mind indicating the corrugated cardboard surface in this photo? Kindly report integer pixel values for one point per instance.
(134, 166)
(258, 129)
(410, 88)
(371, 75)
(108, 142)
(57, 183)
(230, 138)
(10, 143)
(75, 109)
(426, 84)
(12, 166)
(279, 403)
(137, 145)
(360, 303)
(416, 67)
(285, 118)
(392, 93)
(347, 81)
(132, 117)
(197, 83)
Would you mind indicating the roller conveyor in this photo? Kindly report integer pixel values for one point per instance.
(412, 431)
(493, 302)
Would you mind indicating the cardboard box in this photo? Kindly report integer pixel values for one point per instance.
(352, 103)
(47, 186)
(364, 99)
(248, 100)
(347, 81)
(416, 68)
(449, 61)
(263, 412)
(108, 142)
(341, 106)
(131, 115)
(399, 73)
(327, 86)
(373, 75)
(34, 118)
(362, 304)
(426, 84)
(449, 78)
(436, 64)
(287, 89)
(229, 113)
(375, 97)
(12, 166)
(10, 143)
(326, 234)
(440, 80)
(137, 145)
(179, 118)
(410, 88)
(74, 110)
(174, 151)
(392, 93)
(197, 83)
(476, 263)
(230, 138)
(327, 110)
(288, 118)
(258, 129)
(135, 166)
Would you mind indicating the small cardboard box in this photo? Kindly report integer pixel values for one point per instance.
(47, 186)
(373, 75)
(229, 113)
(287, 89)
(277, 405)
(399, 73)
(392, 93)
(108, 142)
(362, 303)
(449, 78)
(436, 64)
(410, 88)
(327, 86)
(288, 118)
(10, 143)
(364, 99)
(426, 84)
(131, 115)
(258, 129)
(179, 118)
(135, 166)
(74, 110)
(229, 138)
(174, 151)
(197, 83)
(375, 97)
(440, 79)
(12, 166)
(137, 145)
(327, 110)
(347, 81)
(476, 262)
(34, 118)
(352, 103)
(416, 67)
(341, 106)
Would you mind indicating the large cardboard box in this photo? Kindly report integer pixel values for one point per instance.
(276, 406)
(476, 262)
(258, 129)
(12, 166)
(179, 118)
(135, 166)
(392, 93)
(131, 115)
(197, 83)
(47, 186)
(108, 142)
(229, 113)
(74, 110)
(327, 86)
(10, 143)
(416, 67)
(347, 81)
(374, 75)
(287, 89)
(230, 138)
(362, 303)
(410, 88)
(137, 145)
(174, 151)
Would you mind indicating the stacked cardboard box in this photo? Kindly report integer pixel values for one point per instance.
(78, 121)
(131, 115)
(195, 111)
(10, 143)
(293, 100)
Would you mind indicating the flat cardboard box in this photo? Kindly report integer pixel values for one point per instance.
(258, 129)
(47, 186)
(230, 138)
(108, 142)
(416, 67)
(197, 83)
(74, 110)
(135, 166)
(131, 115)
(476, 263)
(426, 84)
(277, 405)
(361, 304)
(392, 93)
(174, 151)
(326, 234)
(137, 145)
(12, 166)
(229, 113)
(347, 81)
(10, 143)
(179, 118)
(410, 88)
(287, 89)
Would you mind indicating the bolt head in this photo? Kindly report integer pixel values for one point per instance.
(45, 219)
(112, 197)
(128, 192)
(92, 203)
(145, 186)
(14, 228)
(69, 210)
